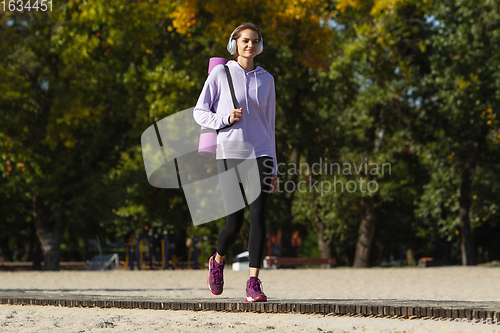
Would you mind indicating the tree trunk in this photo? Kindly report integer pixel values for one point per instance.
(50, 237)
(467, 245)
(37, 257)
(410, 259)
(29, 243)
(4, 246)
(365, 237)
(286, 216)
(324, 247)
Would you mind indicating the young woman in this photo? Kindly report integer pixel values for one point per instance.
(252, 125)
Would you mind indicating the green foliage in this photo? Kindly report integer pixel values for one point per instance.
(460, 97)
(410, 84)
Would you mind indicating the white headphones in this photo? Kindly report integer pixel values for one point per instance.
(231, 44)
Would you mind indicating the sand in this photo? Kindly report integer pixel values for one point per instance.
(437, 283)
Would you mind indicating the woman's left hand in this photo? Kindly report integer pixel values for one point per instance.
(274, 184)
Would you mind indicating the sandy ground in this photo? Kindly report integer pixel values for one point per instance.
(438, 283)
(53, 319)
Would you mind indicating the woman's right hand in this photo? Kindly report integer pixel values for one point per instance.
(235, 115)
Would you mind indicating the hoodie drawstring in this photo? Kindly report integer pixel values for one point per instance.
(256, 89)
(246, 95)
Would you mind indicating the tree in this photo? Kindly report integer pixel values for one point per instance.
(73, 97)
(377, 52)
(459, 97)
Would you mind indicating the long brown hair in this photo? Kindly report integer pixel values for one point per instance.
(237, 34)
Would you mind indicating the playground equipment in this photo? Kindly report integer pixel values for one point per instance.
(140, 250)
(195, 250)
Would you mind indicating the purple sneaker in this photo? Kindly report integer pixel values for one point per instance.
(254, 291)
(215, 278)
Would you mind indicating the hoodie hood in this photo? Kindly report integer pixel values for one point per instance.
(234, 66)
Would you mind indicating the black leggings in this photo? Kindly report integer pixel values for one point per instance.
(234, 221)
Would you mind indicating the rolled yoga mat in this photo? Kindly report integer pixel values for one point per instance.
(208, 137)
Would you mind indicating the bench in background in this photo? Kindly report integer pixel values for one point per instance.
(275, 262)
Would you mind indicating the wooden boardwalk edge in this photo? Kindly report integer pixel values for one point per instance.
(270, 307)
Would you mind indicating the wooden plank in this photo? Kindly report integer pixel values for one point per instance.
(253, 306)
(385, 311)
(482, 314)
(398, 310)
(248, 306)
(404, 311)
(489, 314)
(475, 314)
